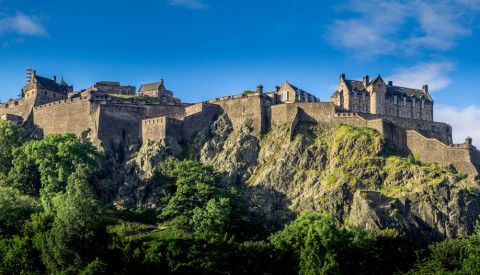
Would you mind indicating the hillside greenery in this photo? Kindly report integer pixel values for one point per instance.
(53, 222)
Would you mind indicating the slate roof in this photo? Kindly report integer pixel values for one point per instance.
(150, 86)
(47, 83)
(354, 84)
(391, 90)
(396, 90)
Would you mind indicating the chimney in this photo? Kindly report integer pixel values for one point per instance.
(365, 81)
(342, 77)
(34, 73)
(161, 80)
(54, 78)
(260, 89)
(277, 88)
(390, 83)
(425, 89)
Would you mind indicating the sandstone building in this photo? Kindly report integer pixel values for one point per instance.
(376, 97)
(111, 116)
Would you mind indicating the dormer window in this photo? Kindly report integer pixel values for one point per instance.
(363, 96)
(404, 100)
(285, 96)
(423, 103)
(394, 99)
(354, 95)
(413, 102)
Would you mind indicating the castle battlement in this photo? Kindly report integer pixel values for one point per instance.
(111, 114)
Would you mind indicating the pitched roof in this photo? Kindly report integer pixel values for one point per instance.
(396, 90)
(375, 79)
(354, 84)
(151, 86)
(47, 83)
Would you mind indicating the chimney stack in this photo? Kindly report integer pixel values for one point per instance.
(54, 78)
(276, 89)
(425, 88)
(365, 81)
(390, 83)
(34, 73)
(260, 89)
(342, 77)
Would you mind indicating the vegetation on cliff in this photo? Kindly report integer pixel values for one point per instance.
(330, 200)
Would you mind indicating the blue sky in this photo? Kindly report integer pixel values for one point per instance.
(205, 49)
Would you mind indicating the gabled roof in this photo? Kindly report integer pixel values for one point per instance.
(396, 90)
(47, 83)
(354, 84)
(151, 86)
(376, 79)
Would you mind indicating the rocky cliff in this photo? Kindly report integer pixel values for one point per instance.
(351, 172)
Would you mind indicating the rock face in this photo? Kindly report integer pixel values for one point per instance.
(351, 172)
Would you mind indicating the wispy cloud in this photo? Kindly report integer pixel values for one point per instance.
(191, 4)
(434, 74)
(21, 24)
(379, 27)
(462, 121)
(7, 44)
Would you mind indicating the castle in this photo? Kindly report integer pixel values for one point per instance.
(112, 115)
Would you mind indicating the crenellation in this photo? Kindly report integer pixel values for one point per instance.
(111, 114)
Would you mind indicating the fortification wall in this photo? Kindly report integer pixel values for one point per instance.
(198, 117)
(239, 108)
(120, 122)
(161, 127)
(64, 116)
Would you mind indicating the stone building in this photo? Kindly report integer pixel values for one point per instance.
(288, 93)
(157, 90)
(112, 122)
(110, 87)
(377, 97)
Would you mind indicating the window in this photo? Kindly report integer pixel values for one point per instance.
(409, 113)
(355, 106)
(400, 112)
(364, 107)
(378, 111)
(285, 95)
(413, 102)
(404, 100)
(390, 111)
(394, 99)
(354, 95)
(428, 116)
(379, 85)
(363, 96)
(418, 114)
(423, 103)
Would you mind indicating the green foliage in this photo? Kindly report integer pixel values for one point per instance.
(77, 234)
(211, 222)
(416, 157)
(246, 92)
(51, 160)
(411, 159)
(17, 256)
(192, 185)
(449, 253)
(15, 210)
(11, 137)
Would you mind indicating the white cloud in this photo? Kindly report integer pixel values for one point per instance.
(21, 24)
(191, 4)
(462, 120)
(434, 74)
(378, 27)
(12, 42)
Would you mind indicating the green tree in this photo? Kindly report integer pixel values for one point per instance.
(11, 137)
(15, 210)
(53, 159)
(194, 186)
(17, 256)
(77, 235)
(211, 222)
